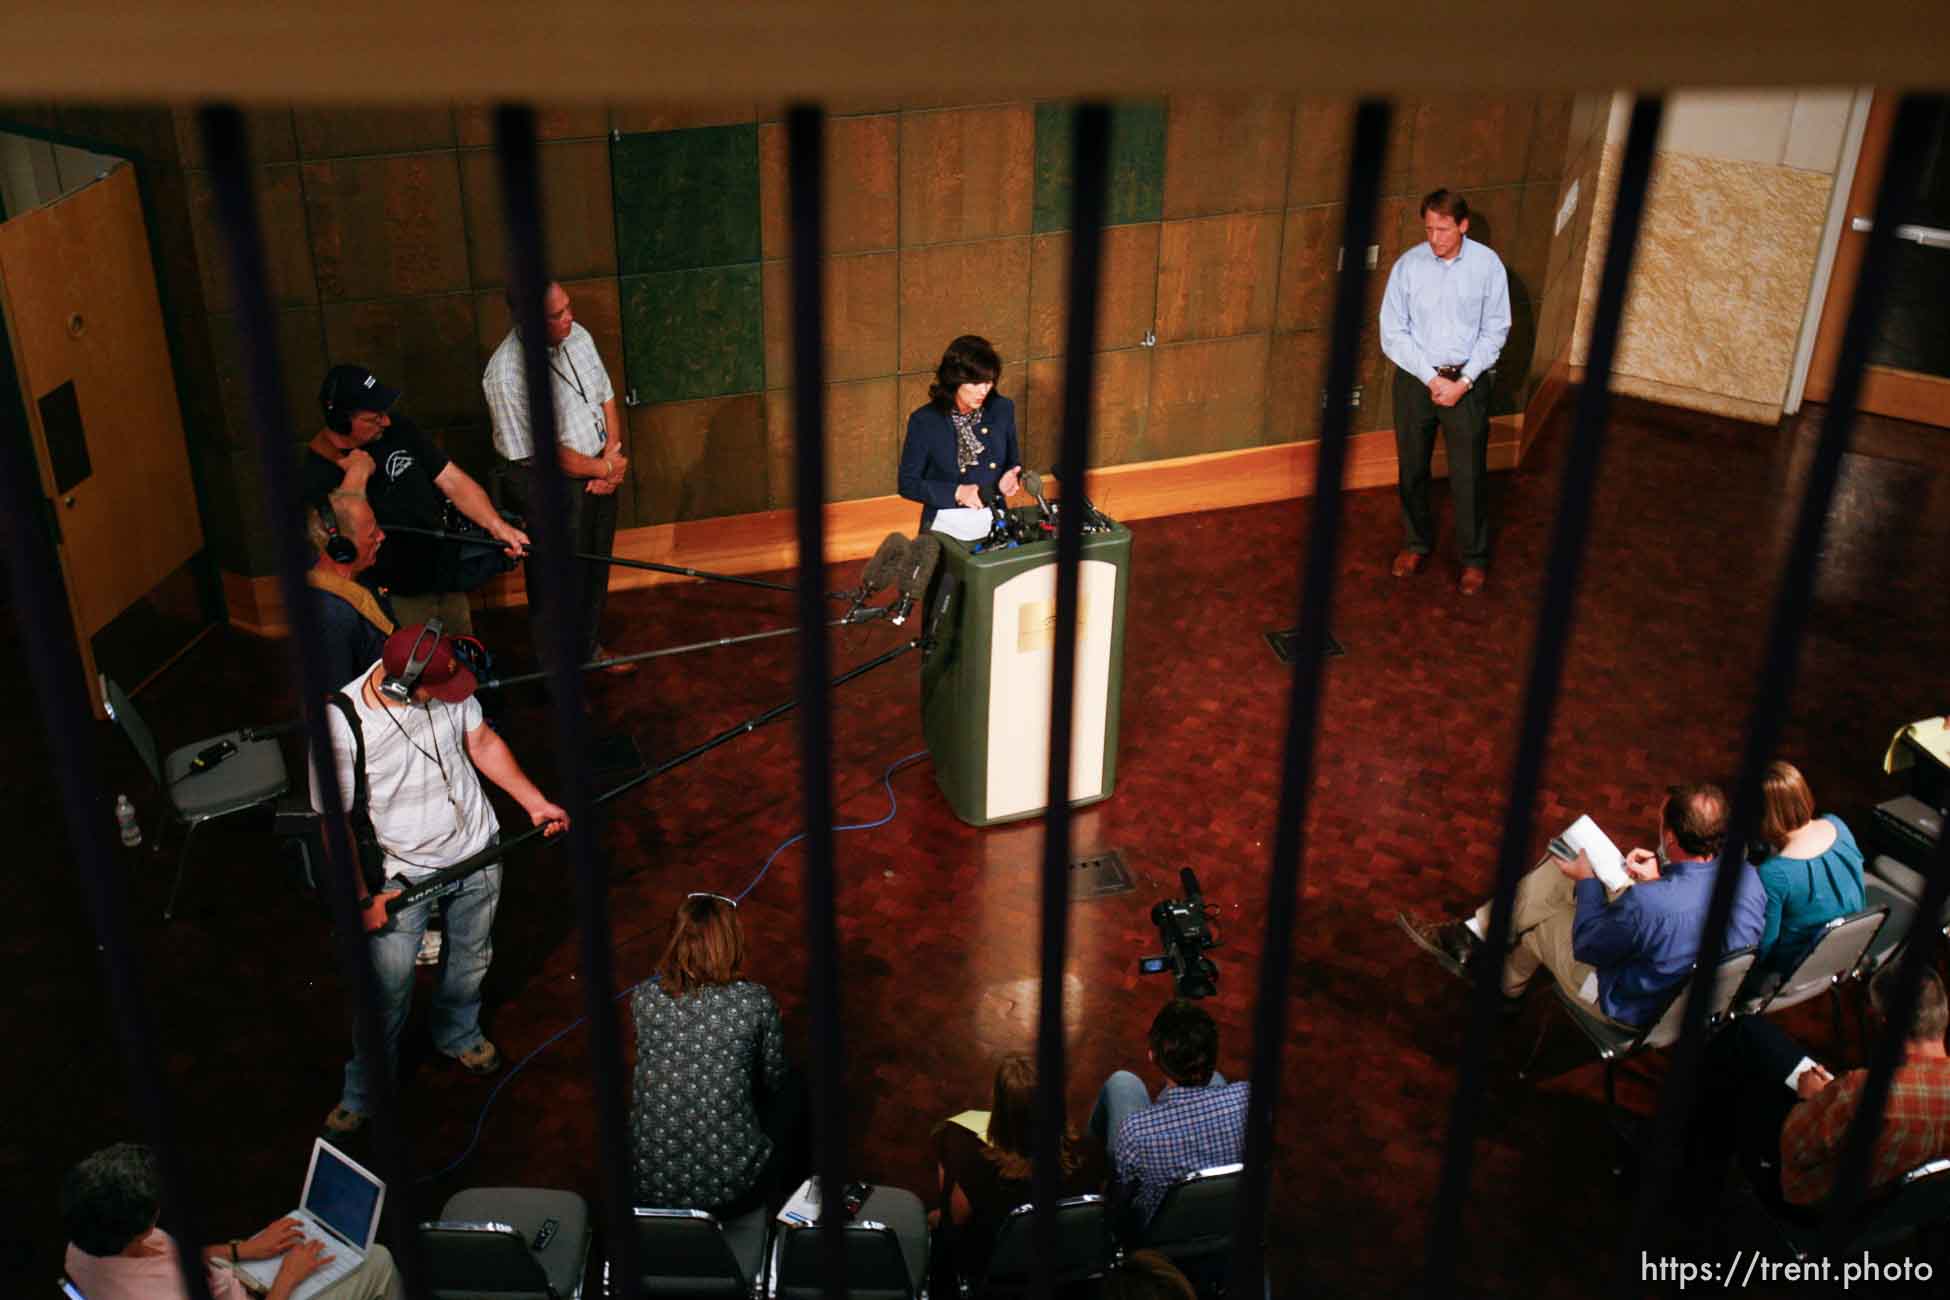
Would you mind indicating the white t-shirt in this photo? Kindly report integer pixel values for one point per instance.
(423, 794)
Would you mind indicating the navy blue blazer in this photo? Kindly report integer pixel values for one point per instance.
(928, 471)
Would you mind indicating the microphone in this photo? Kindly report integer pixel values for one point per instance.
(915, 575)
(1032, 483)
(944, 604)
(882, 569)
(1001, 525)
(1092, 516)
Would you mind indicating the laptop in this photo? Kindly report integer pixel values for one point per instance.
(340, 1205)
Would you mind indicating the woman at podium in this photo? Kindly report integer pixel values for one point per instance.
(963, 442)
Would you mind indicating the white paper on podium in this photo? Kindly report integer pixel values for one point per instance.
(963, 523)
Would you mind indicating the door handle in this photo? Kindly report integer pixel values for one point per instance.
(1927, 236)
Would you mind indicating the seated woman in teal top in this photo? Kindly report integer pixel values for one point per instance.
(1813, 876)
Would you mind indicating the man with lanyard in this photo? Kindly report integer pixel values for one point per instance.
(365, 448)
(1444, 319)
(588, 447)
(425, 755)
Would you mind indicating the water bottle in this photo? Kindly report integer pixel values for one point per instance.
(125, 818)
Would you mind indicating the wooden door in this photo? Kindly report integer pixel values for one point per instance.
(1909, 363)
(78, 288)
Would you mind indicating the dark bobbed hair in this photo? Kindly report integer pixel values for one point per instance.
(707, 945)
(111, 1198)
(1446, 202)
(1696, 814)
(1012, 1121)
(970, 359)
(1185, 1043)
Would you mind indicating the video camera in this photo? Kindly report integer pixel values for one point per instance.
(1184, 932)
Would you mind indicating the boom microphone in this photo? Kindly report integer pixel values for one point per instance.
(885, 566)
(922, 557)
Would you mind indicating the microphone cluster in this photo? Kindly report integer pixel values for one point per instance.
(907, 565)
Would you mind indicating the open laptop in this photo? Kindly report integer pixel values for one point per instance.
(340, 1204)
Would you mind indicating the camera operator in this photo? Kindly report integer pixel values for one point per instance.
(1198, 1119)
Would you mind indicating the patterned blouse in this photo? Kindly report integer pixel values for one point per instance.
(968, 446)
(694, 1130)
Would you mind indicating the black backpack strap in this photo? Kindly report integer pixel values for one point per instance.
(358, 815)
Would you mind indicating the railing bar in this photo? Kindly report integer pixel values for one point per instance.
(228, 152)
(1369, 150)
(551, 570)
(1090, 201)
(1570, 532)
(806, 176)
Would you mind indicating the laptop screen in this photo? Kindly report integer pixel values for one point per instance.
(342, 1196)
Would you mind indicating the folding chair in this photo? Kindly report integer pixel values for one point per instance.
(1195, 1222)
(1617, 1042)
(514, 1243)
(1084, 1248)
(254, 774)
(693, 1253)
(886, 1253)
(1918, 1202)
(1833, 960)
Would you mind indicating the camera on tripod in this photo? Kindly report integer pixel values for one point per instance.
(1182, 927)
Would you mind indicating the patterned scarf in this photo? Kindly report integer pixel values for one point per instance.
(968, 447)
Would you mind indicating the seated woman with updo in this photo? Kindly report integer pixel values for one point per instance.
(982, 1181)
(964, 440)
(1812, 872)
(707, 1042)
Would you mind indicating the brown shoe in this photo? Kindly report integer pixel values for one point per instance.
(482, 1058)
(1408, 563)
(1472, 580)
(614, 670)
(1452, 943)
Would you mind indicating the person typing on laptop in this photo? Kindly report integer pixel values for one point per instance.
(110, 1204)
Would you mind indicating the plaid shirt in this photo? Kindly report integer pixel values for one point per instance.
(1184, 1130)
(1915, 1129)
(578, 381)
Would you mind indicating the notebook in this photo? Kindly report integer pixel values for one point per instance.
(340, 1204)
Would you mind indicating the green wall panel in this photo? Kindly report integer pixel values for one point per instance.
(686, 198)
(1137, 164)
(695, 333)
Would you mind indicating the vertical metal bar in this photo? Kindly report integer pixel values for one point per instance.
(805, 168)
(228, 151)
(1554, 623)
(1092, 173)
(551, 567)
(1775, 689)
(60, 692)
(1918, 118)
(1370, 147)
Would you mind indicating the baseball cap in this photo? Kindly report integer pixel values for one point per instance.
(445, 676)
(354, 388)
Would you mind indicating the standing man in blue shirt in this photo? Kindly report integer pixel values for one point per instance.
(1444, 319)
(1620, 954)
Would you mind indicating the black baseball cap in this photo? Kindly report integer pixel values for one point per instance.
(354, 388)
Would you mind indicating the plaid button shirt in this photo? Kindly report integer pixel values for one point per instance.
(1184, 1130)
(1915, 1130)
(577, 381)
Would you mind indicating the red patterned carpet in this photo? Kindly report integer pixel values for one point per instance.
(938, 922)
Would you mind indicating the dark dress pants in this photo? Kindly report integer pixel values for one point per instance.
(592, 530)
(1466, 436)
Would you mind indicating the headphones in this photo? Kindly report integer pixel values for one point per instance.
(400, 688)
(339, 548)
(335, 420)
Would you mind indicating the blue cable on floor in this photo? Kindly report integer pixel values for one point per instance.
(893, 808)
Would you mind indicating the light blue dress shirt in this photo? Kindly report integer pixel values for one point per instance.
(1439, 313)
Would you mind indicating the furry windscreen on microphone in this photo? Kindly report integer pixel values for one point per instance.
(922, 557)
(886, 564)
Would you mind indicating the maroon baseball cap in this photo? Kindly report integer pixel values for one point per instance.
(445, 676)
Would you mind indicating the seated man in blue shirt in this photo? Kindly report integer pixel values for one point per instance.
(1621, 954)
(1197, 1121)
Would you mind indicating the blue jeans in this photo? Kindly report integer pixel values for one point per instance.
(1122, 1096)
(456, 1019)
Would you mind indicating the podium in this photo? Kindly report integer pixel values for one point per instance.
(985, 686)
